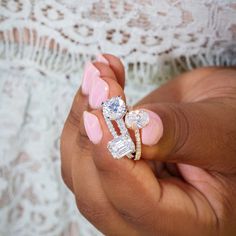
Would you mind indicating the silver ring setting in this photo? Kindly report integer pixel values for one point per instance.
(122, 145)
(114, 110)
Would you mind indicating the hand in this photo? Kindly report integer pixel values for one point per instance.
(193, 192)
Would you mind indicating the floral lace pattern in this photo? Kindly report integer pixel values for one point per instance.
(43, 47)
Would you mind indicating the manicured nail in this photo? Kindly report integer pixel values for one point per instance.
(152, 133)
(102, 59)
(90, 73)
(92, 127)
(98, 93)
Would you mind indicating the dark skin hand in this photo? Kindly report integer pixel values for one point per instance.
(183, 185)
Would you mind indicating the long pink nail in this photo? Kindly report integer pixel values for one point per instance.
(152, 133)
(99, 93)
(102, 59)
(92, 127)
(90, 73)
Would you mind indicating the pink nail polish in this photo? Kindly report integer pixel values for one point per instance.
(152, 133)
(92, 127)
(102, 59)
(99, 93)
(90, 72)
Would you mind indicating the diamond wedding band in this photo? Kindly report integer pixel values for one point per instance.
(114, 110)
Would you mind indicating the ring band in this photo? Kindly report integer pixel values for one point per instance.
(136, 120)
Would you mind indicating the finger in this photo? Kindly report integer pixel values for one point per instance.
(173, 92)
(90, 197)
(168, 145)
(116, 65)
(91, 200)
(113, 172)
(94, 124)
(192, 133)
(177, 91)
(100, 88)
(93, 72)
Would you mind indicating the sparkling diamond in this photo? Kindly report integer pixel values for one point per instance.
(137, 119)
(121, 146)
(114, 108)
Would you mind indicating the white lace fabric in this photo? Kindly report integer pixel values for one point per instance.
(43, 47)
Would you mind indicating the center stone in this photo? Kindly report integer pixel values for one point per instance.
(137, 119)
(114, 108)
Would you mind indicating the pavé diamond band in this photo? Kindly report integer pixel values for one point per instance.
(122, 145)
(136, 120)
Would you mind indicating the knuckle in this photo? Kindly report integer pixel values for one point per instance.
(136, 219)
(74, 118)
(181, 128)
(128, 216)
(82, 140)
(103, 160)
(94, 211)
(105, 164)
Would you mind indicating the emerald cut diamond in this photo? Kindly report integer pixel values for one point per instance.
(121, 146)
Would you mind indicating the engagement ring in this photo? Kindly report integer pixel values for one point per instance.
(122, 145)
(136, 120)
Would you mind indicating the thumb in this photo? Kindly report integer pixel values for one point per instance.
(201, 134)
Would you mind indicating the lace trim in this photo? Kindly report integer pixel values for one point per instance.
(50, 52)
(49, 56)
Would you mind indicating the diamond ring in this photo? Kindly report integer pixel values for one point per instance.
(136, 120)
(122, 145)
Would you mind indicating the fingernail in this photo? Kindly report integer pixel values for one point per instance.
(90, 73)
(152, 133)
(99, 93)
(92, 127)
(102, 59)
